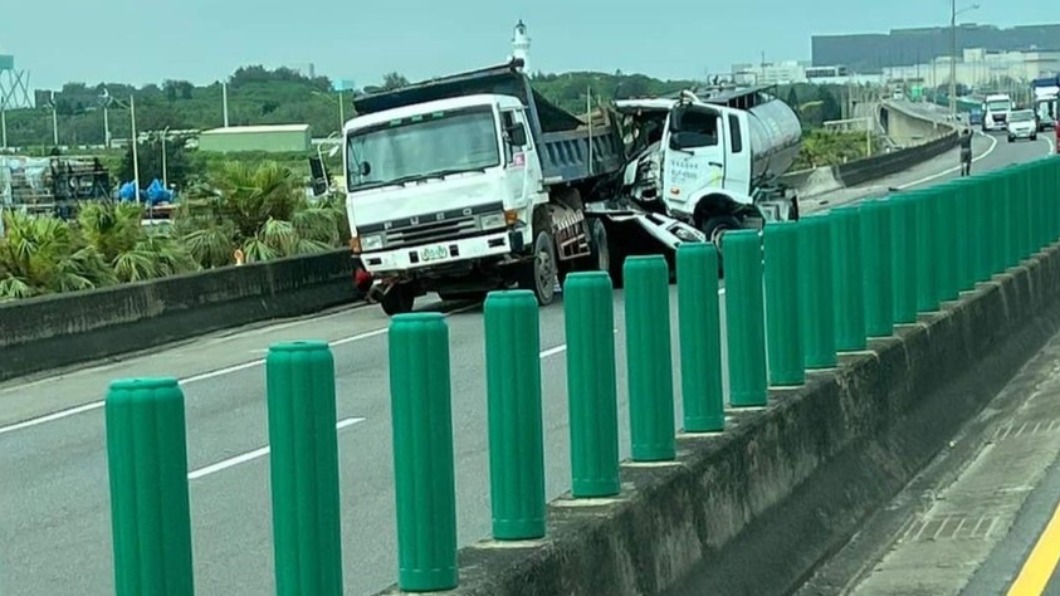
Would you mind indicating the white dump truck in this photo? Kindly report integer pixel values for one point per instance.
(475, 182)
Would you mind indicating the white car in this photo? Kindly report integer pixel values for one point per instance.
(1022, 124)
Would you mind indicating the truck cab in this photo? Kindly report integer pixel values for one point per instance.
(711, 162)
(433, 185)
(996, 108)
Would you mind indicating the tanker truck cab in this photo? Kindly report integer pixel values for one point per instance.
(716, 158)
(435, 189)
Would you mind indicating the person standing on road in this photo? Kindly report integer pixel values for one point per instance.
(966, 152)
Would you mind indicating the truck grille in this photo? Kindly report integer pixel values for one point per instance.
(432, 231)
(432, 227)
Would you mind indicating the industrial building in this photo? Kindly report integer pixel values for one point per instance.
(871, 53)
(978, 68)
(282, 138)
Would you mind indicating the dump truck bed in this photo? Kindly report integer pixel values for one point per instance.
(562, 139)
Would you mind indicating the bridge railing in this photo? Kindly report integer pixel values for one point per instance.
(799, 295)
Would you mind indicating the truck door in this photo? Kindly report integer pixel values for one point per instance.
(522, 168)
(694, 154)
(738, 153)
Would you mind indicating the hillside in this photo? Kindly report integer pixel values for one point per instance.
(261, 96)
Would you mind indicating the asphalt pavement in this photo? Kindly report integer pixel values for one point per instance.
(54, 496)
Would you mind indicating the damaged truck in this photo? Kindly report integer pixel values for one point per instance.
(475, 182)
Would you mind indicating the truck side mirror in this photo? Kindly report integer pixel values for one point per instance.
(517, 135)
(365, 168)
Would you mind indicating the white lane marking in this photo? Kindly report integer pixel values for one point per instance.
(993, 145)
(252, 455)
(61, 414)
(52, 417)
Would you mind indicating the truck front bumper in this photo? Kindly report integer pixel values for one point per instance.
(495, 246)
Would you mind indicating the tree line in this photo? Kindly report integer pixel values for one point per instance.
(258, 95)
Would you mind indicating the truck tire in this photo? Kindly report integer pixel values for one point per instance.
(540, 274)
(399, 300)
(714, 228)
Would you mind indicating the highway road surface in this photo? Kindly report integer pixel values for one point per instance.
(55, 518)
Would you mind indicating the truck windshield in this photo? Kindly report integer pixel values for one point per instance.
(422, 146)
(998, 106)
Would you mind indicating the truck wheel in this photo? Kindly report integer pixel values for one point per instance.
(714, 229)
(398, 300)
(540, 274)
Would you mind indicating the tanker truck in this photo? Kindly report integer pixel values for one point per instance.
(715, 161)
(474, 182)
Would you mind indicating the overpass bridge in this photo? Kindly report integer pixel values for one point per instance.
(697, 507)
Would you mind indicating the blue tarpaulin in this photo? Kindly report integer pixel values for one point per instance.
(154, 194)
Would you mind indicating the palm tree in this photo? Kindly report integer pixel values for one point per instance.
(117, 233)
(259, 210)
(43, 254)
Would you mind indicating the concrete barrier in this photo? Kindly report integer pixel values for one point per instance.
(63, 329)
(880, 166)
(755, 509)
(816, 181)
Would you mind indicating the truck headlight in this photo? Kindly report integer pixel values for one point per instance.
(493, 220)
(373, 242)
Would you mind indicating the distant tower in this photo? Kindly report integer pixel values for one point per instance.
(521, 45)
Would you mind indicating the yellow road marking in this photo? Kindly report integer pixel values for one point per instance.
(1039, 567)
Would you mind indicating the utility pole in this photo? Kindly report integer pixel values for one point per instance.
(953, 59)
(136, 155)
(953, 54)
(224, 94)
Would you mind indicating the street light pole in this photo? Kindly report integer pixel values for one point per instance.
(342, 112)
(953, 59)
(136, 155)
(165, 173)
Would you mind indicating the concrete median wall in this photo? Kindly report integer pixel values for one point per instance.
(931, 139)
(63, 329)
(753, 510)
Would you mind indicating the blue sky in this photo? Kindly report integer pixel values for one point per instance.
(203, 40)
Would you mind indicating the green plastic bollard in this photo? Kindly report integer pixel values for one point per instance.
(945, 203)
(903, 259)
(981, 239)
(927, 253)
(849, 281)
(876, 255)
(815, 292)
(964, 216)
(998, 226)
(516, 435)
(650, 365)
(787, 360)
(700, 336)
(1020, 210)
(742, 254)
(424, 483)
(304, 465)
(1011, 206)
(588, 311)
(147, 460)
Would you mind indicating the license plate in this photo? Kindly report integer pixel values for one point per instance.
(433, 253)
